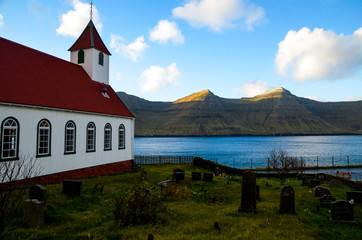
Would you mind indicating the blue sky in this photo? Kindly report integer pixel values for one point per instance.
(163, 50)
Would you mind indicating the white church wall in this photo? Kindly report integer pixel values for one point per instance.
(29, 118)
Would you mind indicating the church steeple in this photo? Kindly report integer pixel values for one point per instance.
(90, 52)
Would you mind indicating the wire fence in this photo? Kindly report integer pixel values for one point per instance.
(250, 163)
(160, 159)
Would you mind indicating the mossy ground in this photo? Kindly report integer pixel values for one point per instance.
(90, 216)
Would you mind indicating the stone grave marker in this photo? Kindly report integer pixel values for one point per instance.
(356, 196)
(38, 192)
(257, 192)
(321, 177)
(320, 191)
(179, 174)
(217, 172)
(34, 213)
(196, 176)
(72, 187)
(143, 176)
(313, 183)
(325, 201)
(306, 179)
(342, 211)
(336, 183)
(287, 200)
(208, 177)
(248, 192)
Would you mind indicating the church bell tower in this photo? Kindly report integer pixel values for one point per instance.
(90, 52)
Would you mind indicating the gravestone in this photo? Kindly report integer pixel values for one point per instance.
(356, 196)
(313, 183)
(320, 191)
(248, 192)
(196, 176)
(208, 177)
(34, 213)
(321, 177)
(257, 192)
(336, 183)
(143, 176)
(38, 192)
(217, 172)
(306, 179)
(150, 237)
(342, 211)
(72, 187)
(179, 175)
(287, 201)
(325, 201)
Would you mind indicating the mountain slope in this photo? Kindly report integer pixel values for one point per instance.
(276, 112)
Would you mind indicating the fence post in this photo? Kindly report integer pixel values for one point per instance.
(333, 161)
(251, 163)
(317, 162)
(348, 161)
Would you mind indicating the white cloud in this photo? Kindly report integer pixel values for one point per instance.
(135, 49)
(353, 98)
(116, 42)
(252, 88)
(118, 76)
(74, 21)
(167, 31)
(315, 98)
(217, 15)
(1, 20)
(319, 54)
(156, 77)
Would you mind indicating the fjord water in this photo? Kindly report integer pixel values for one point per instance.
(246, 152)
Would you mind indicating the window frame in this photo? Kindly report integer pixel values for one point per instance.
(81, 56)
(123, 135)
(101, 58)
(94, 137)
(16, 157)
(108, 148)
(38, 138)
(74, 140)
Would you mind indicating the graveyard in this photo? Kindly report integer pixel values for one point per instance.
(196, 204)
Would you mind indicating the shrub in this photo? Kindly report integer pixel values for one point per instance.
(137, 205)
(279, 160)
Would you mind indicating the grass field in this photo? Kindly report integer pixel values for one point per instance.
(90, 216)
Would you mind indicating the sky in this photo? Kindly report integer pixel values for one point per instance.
(163, 50)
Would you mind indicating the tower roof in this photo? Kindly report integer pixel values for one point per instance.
(89, 39)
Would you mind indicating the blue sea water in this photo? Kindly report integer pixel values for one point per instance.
(246, 152)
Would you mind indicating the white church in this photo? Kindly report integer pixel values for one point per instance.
(64, 114)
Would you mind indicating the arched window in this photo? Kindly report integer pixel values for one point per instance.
(9, 139)
(107, 137)
(100, 58)
(44, 138)
(91, 137)
(81, 56)
(70, 131)
(121, 137)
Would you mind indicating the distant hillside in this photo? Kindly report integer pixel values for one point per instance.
(276, 112)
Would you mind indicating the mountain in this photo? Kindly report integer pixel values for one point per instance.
(276, 112)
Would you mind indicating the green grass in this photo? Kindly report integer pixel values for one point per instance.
(90, 216)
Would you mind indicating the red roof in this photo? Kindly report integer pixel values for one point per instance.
(31, 77)
(89, 39)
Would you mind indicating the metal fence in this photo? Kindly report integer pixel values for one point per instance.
(159, 159)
